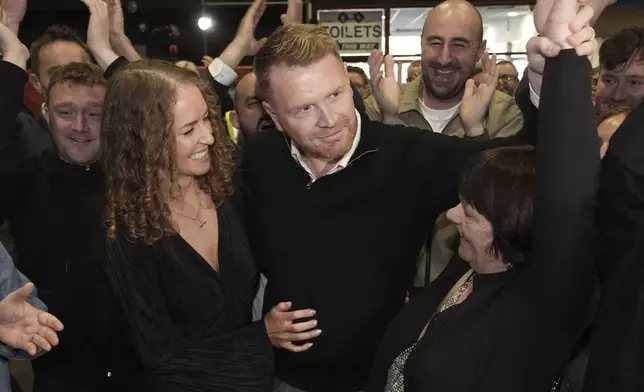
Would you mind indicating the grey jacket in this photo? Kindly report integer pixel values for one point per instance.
(10, 280)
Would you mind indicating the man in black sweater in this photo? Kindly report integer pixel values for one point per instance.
(338, 206)
(54, 204)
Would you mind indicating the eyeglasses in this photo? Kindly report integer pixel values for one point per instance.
(509, 78)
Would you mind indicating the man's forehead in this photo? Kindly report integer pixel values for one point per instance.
(63, 52)
(633, 69)
(73, 90)
(452, 22)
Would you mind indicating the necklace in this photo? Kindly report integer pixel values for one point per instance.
(198, 217)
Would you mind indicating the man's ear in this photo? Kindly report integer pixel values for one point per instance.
(35, 82)
(45, 113)
(234, 119)
(482, 48)
(271, 112)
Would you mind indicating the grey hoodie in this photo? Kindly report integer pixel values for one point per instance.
(10, 280)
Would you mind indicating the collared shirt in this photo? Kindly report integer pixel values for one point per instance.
(342, 163)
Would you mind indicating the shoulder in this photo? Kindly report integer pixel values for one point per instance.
(503, 102)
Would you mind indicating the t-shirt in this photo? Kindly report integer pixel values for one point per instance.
(438, 118)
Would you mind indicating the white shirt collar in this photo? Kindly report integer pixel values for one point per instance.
(342, 163)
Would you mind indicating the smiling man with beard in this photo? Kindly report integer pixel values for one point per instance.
(452, 42)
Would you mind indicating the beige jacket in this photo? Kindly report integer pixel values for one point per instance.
(503, 119)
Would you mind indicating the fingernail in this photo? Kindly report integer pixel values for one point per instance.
(315, 322)
(318, 332)
(312, 312)
(309, 345)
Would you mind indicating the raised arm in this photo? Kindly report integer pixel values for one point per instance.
(118, 39)
(13, 78)
(98, 33)
(562, 271)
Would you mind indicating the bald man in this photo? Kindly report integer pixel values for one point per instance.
(248, 108)
(452, 43)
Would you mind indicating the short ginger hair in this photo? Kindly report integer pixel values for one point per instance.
(83, 74)
(292, 45)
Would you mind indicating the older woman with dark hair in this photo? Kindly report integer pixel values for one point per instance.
(506, 313)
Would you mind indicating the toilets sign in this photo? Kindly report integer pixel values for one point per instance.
(356, 30)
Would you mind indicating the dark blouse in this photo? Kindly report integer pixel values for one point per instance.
(517, 329)
(191, 325)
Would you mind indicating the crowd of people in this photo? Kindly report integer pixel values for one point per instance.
(451, 233)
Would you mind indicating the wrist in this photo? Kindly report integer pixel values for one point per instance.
(17, 56)
(233, 54)
(119, 39)
(391, 119)
(474, 130)
(104, 57)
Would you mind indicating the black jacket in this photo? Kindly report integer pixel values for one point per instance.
(54, 210)
(517, 329)
(617, 344)
(346, 245)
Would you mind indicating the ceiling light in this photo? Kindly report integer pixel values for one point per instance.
(205, 23)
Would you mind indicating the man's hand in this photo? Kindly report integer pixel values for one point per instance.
(98, 33)
(581, 37)
(384, 86)
(206, 60)
(24, 327)
(119, 42)
(476, 100)
(294, 13)
(13, 51)
(15, 10)
(117, 21)
(283, 329)
(244, 44)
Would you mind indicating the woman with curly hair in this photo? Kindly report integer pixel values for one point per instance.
(177, 255)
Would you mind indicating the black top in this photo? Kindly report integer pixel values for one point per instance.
(346, 245)
(191, 325)
(516, 330)
(617, 347)
(54, 211)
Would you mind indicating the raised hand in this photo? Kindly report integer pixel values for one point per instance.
(244, 44)
(117, 21)
(15, 10)
(24, 327)
(294, 13)
(384, 86)
(581, 36)
(98, 33)
(476, 100)
(98, 29)
(557, 26)
(206, 60)
(13, 51)
(246, 29)
(283, 329)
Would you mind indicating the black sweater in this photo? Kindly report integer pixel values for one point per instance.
(346, 245)
(54, 211)
(617, 346)
(517, 328)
